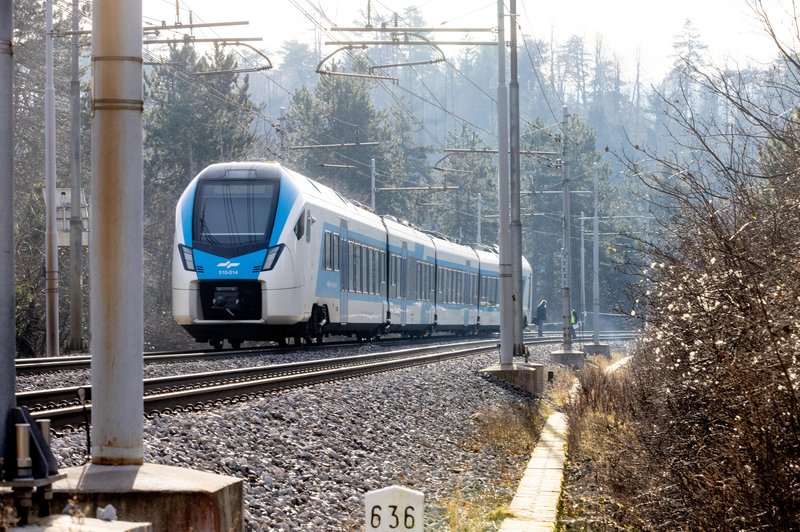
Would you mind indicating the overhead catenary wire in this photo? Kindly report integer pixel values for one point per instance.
(314, 13)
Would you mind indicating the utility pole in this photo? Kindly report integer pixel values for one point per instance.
(596, 347)
(117, 238)
(567, 355)
(583, 272)
(282, 134)
(516, 224)
(51, 234)
(372, 187)
(75, 222)
(506, 304)
(596, 266)
(7, 293)
(566, 226)
(480, 206)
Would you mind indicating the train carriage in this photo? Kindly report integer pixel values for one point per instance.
(456, 287)
(411, 259)
(489, 288)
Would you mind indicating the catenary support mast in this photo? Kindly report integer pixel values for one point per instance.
(7, 293)
(75, 222)
(506, 304)
(117, 238)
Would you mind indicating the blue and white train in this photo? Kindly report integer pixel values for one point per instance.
(264, 253)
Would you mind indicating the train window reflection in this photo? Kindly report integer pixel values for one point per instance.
(235, 213)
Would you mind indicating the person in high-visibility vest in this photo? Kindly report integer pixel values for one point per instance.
(573, 321)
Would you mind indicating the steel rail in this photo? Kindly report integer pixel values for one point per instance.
(69, 396)
(207, 396)
(28, 366)
(39, 365)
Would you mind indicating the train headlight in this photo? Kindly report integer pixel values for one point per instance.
(186, 257)
(272, 257)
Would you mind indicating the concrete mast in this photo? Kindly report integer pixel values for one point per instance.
(51, 234)
(116, 252)
(516, 223)
(506, 303)
(7, 315)
(75, 223)
(566, 226)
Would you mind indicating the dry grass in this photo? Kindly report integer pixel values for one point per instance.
(507, 429)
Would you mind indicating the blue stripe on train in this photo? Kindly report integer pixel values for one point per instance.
(286, 199)
(242, 268)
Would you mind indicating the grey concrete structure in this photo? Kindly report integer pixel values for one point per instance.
(528, 377)
(69, 523)
(171, 498)
(115, 258)
(7, 293)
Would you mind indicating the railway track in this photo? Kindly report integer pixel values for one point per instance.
(32, 366)
(71, 406)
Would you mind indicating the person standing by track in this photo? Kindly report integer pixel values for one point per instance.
(541, 316)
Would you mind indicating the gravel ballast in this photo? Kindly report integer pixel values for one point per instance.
(307, 456)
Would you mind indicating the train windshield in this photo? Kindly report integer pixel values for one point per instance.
(234, 217)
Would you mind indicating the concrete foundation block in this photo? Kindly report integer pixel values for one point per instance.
(171, 498)
(573, 358)
(67, 523)
(597, 349)
(529, 377)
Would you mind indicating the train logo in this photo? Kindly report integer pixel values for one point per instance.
(227, 264)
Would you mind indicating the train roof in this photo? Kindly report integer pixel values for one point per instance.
(315, 189)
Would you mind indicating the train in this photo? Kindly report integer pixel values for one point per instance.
(263, 253)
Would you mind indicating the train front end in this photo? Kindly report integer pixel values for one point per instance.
(228, 224)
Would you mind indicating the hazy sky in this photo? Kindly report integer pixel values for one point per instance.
(627, 27)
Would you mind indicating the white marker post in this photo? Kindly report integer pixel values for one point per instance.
(394, 509)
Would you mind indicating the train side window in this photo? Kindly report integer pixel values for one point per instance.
(373, 257)
(336, 240)
(382, 271)
(326, 250)
(431, 282)
(375, 270)
(358, 265)
(300, 226)
(352, 266)
(432, 275)
(403, 276)
(424, 280)
(370, 271)
(418, 295)
(364, 272)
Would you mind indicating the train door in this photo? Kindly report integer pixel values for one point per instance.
(404, 275)
(344, 270)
